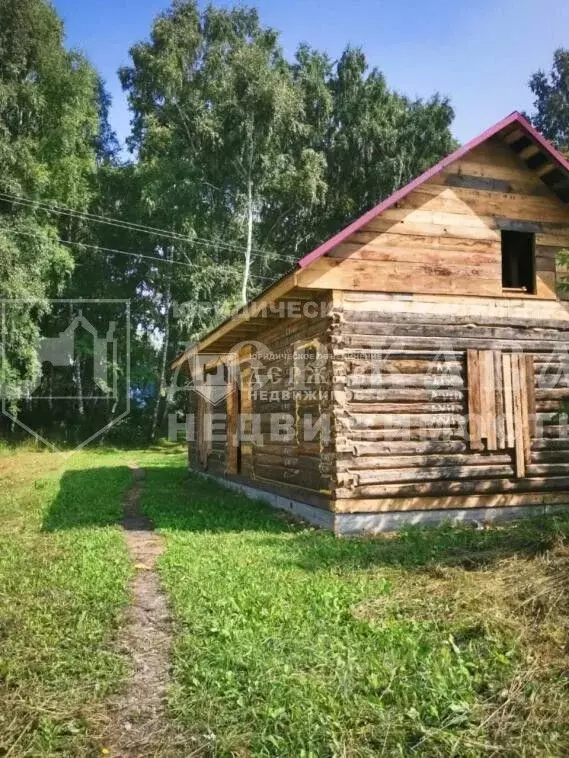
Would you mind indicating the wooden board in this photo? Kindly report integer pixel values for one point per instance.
(232, 439)
(445, 236)
(510, 439)
(518, 416)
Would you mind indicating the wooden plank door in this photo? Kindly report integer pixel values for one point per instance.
(501, 403)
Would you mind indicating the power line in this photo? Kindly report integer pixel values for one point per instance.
(99, 248)
(131, 225)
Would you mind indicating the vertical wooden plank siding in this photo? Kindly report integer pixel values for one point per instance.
(508, 400)
(525, 415)
(245, 410)
(530, 393)
(518, 416)
(501, 402)
(202, 451)
(499, 390)
(232, 430)
(474, 399)
(487, 361)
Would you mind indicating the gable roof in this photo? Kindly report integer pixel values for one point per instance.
(520, 134)
(515, 120)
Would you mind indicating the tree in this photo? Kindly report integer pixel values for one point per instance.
(369, 139)
(214, 109)
(551, 116)
(49, 123)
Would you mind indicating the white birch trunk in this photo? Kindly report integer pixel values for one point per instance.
(163, 363)
(249, 241)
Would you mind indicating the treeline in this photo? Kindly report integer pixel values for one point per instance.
(240, 162)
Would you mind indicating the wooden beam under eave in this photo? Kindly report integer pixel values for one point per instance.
(528, 152)
(513, 136)
(543, 170)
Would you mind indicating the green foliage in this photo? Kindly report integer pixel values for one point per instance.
(262, 157)
(247, 160)
(551, 103)
(48, 126)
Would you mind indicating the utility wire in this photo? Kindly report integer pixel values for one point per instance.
(99, 248)
(132, 226)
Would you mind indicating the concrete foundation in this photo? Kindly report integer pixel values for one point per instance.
(354, 524)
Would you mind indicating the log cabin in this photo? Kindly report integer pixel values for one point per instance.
(412, 368)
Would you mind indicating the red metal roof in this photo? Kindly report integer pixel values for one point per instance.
(514, 118)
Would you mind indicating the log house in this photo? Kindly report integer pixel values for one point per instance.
(414, 367)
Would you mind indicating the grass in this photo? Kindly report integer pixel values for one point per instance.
(64, 573)
(288, 642)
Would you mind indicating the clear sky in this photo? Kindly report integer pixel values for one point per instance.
(480, 53)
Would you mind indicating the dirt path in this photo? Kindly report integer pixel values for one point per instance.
(138, 725)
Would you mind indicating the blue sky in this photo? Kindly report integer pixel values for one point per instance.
(480, 53)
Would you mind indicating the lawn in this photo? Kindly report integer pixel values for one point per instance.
(288, 642)
(64, 572)
(292, 643)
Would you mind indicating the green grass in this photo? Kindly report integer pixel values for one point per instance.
(64, 574)
(288, 642)
(292, 643)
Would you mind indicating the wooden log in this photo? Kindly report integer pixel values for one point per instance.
(363, 329)
(465, 487)
(391, 365)
(400, 447)
(469, 318)
(552, 443)
(373, 342)
(438, 473)
(384, 420)
(425, 381)
(553, 393)
(405, 408)
(548, 469)
(429, 460)
(312, 480)
(405, 395)
(399, 353)
(426, 503)
(417, 434)
(550, 456)
(555, 431)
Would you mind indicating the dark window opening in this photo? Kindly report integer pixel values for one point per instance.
(518, 261)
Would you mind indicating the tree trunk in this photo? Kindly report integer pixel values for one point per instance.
(163, 362)
(249, 241)
(79, 384)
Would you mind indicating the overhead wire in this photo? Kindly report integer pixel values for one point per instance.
(134, 226)
(100, 248)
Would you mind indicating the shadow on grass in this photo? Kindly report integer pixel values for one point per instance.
(88, 498)
(178, 501)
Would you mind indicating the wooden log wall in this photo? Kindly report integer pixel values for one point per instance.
(401, 427)
(300, 465)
